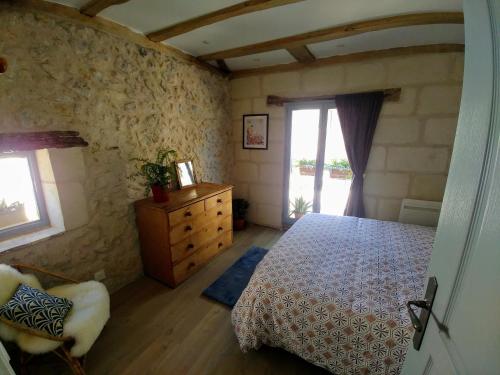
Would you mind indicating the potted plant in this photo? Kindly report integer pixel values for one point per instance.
(307, 167)
(300, 207)
(12, 214)
(340, 169)
(158, 173)
(240, 207)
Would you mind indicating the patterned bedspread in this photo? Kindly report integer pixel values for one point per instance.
(333, 291)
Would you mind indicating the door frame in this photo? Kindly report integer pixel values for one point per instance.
(323, 106)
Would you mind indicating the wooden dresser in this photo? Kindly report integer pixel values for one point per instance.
(179, 236)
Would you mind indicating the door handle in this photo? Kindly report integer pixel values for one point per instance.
(415, 321)
(420, 323)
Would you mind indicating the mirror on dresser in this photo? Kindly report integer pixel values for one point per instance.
(185, 173)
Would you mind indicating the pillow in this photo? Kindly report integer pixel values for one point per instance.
(35, 311)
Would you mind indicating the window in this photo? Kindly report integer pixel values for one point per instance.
(22, 206)
(317, 173)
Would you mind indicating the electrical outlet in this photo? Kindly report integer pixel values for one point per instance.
(100, 275)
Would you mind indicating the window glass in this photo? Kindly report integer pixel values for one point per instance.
(21, 202)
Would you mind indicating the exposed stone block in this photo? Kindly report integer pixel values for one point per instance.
(281, 83)
(245, 172)
(259, 105)
(240, 190)
(376, 161)
(240, 107)
(370, 207)
(246, 87)
(440, 131)
(428, 187)
(265, 194)
(323, 81)
(417, 159)
(439, 99)
(387, 184)
(269, 215)
(404, 106)
(397, 130)
(271, 174)
(419, 69)
(240, 153)
(274, 154)
(388, 209)
(365, 75)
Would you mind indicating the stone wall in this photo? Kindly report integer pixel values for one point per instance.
(412, 144)
(126, 101)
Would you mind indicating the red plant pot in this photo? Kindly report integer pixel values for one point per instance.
(160, 193)
(239, 224)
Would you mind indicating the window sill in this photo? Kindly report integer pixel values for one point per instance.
(29, 239)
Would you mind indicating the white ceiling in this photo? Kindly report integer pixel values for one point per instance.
(150, 15)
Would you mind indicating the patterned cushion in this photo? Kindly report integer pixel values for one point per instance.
(34, 310)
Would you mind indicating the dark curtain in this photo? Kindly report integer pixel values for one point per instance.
(358, 114)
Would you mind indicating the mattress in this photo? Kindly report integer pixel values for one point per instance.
(333, 290)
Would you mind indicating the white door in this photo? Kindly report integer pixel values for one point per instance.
(5, 368)
(463, 335)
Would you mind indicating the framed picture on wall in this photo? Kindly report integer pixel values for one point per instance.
(255, 131)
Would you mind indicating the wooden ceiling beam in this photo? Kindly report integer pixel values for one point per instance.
(338, 32)
(216, 16)
(93, 7)
(354, 57)
(223, 66)
(301, 54)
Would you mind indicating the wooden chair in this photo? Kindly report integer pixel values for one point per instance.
(63, 351)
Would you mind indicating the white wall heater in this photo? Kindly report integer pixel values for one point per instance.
(420, 212)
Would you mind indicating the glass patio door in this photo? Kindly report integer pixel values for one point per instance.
(316, 176)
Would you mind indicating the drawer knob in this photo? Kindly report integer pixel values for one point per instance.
(190, 246)
(188, 228)
(219, 213)
(220, 244)
(220, 229)
(188, 213)
(191, 265)
(219, 200)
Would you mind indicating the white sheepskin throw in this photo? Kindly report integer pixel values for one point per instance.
(84, 323)
(10, 278)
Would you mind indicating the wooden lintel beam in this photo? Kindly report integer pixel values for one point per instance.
(30, 141)
(391, 95)
(354, 57)
(301, 54)
(338, 32)
(93, 7)
(216, 16)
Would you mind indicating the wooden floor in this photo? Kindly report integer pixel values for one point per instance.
(158, 330)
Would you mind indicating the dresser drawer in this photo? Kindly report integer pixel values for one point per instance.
(218, 200)
(219, 212)
(186, 268)
(185, 213)
(218, 244)
(218, 227)
(194, 262)
(186, 229)
(188, 246)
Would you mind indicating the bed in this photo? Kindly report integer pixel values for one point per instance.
(333, 291)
